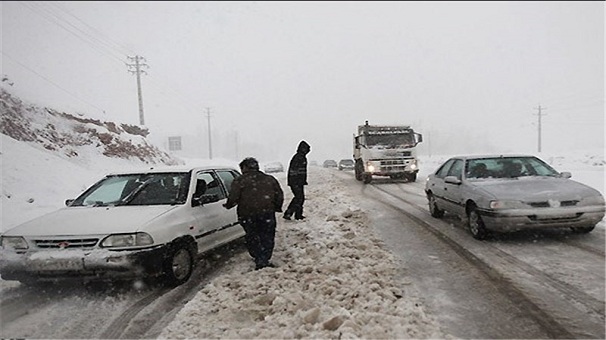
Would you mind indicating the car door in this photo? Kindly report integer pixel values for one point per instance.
(436, 183)
(452, 191)
(234, 229)
(211, 216)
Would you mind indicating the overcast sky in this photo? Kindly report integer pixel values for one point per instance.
(469, 76)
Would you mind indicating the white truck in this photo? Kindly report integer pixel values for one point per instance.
(386, 150)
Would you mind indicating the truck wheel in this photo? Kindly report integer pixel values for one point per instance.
(367, 178)
(412, 177)
(178, 264)
(359, 169)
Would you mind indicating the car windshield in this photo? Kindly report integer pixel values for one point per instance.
(137, 189)
(347, 162)
(507, 167)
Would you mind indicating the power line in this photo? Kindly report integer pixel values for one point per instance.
(94, 30)
(57, 21)
(50, 81)
(96, 40)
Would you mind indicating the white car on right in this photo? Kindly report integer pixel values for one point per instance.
(511, 192)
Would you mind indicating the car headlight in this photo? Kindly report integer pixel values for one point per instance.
(127, 240)
(13, 242)
(506, 204)
(593, 200)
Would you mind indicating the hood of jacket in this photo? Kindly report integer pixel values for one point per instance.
(303, 147)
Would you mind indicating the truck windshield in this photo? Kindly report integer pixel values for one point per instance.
(391, 140)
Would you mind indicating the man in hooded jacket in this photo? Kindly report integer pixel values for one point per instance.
(297, 179)
(258, 197)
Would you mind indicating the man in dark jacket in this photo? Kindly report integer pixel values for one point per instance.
(258, 197)
(297, 178)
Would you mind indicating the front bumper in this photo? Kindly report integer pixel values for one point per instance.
(389, 167)
(518, 219)
(98, 264)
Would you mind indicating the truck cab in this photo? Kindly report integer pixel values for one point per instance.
(386, 150)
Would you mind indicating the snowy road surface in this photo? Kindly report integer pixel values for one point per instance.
(369, 262)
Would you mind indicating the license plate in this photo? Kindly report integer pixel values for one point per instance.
(51, 264)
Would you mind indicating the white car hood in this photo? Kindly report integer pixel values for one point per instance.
(90, 220)
(533, 189)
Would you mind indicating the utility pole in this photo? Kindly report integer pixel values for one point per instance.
(237, 153)
(540, 114)
(210, 146)
(139, 62)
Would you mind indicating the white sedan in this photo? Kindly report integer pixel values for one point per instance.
(151, 223)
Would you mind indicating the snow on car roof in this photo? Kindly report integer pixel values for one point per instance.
(177, 168)
(491, 156)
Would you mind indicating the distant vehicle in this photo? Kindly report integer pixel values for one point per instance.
(148, 224)
(509, 193)
(386, 150)
(346, 164)
(313, 163)
(273, 167)
(329, 163)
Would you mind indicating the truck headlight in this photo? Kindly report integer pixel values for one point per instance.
(127, 240)
(13, 242)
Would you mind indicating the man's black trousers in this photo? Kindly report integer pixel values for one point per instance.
(296, 204)
(260, 233)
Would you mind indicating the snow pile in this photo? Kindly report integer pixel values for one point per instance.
(334, 279)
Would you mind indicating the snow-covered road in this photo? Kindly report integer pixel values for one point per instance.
(369, 262)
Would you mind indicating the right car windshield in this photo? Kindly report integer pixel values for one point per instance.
(507, 167)
(137, 189)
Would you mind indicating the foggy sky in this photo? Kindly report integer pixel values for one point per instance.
(469, 76)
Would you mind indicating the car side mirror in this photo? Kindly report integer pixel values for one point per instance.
(204, 199)
(69, 202)
(452, 180)
(565, 174)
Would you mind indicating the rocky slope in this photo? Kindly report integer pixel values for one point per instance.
(66, 133)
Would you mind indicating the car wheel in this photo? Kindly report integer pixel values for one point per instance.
(179, 264)
(476, 225)
(433, 207)
(582, 230)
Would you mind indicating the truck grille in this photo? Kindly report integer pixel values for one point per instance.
(80, 243)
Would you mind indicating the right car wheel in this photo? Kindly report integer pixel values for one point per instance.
(476, 225)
